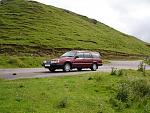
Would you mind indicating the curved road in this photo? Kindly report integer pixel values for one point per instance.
(42, 72)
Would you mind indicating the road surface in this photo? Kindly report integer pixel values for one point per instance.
(42, 72)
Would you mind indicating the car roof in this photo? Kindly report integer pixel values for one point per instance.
(85, 51)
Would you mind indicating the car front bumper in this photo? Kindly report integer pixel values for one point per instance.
(53, 65)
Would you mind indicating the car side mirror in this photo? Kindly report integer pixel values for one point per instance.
(76, 57)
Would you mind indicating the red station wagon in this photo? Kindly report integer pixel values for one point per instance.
(75, 59)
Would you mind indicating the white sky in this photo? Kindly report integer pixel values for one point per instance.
(128, 16)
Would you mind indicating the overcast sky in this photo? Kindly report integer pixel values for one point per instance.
(128, 16)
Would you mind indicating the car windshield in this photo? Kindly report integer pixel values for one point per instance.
(68, 54)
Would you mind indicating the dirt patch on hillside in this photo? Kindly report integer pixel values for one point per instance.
(26, 50)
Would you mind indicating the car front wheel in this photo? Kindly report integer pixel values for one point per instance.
(94, 67)
(67, 67)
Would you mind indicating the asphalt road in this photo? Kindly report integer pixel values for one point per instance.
(42, 72)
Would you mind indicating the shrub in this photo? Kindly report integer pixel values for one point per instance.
(129, 92)
(123, 97)
(123, 92)
(141, 88)
(113, 71)
(141, 67)
(147, 60)
(117, 103)
(120, 72)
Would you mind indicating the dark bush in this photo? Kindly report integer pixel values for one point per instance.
(93, 21)
(90, 78)
(123, 92)
(141, 88)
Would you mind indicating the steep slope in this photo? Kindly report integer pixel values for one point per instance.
(29, 23)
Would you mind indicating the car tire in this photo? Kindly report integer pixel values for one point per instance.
(67, 67)
(94, 67)
(52, 69)
(79, 69)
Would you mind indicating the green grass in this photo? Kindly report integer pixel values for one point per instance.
(21, 62)
(28, 23)
(87, 93)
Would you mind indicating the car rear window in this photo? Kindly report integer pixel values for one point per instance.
(96, 55)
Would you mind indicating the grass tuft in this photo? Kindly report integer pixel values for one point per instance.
(62, 103)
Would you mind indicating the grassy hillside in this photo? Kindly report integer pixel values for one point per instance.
(128, 92)
(32, 24)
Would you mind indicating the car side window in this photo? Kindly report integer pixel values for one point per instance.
(87, 55)
(96, 55)
(80, 55)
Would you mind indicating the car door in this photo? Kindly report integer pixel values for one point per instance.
(78, 61)
(88, 60)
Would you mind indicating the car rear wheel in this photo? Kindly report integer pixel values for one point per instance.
(67, 67)
(79, 69)
(52, 69)
(94, 67)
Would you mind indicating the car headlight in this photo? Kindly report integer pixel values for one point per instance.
(55, 61)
